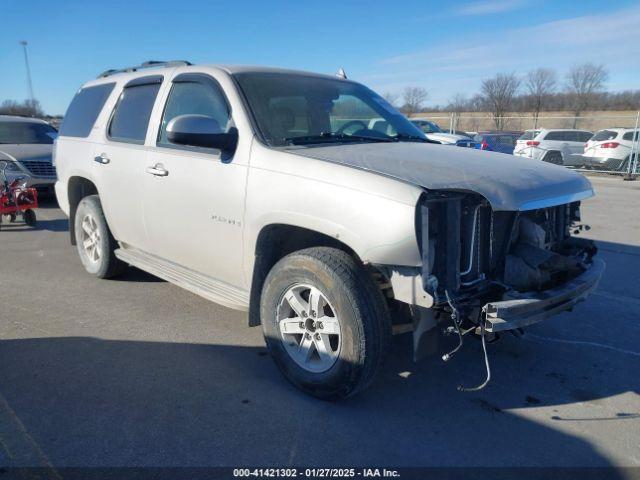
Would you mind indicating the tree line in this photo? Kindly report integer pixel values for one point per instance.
(582, 88)
(28, 108)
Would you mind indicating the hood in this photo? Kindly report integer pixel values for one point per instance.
(446, 137)
(26, 152)
(507, 182)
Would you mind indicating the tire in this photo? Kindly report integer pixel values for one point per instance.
(94, 240)
(353, 306)
(29, 217)
(554, 157)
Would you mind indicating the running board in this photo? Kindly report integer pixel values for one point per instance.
(207, 287)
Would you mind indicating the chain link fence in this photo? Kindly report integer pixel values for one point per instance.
(595, 141)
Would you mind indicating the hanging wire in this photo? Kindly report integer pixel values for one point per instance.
(454, 316)
(486, 362)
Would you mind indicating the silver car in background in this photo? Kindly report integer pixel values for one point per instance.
(27, 145)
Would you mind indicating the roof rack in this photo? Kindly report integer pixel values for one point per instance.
(149, 64)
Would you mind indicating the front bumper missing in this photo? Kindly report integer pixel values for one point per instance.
(523, 309)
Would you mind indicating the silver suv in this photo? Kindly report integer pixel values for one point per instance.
(331, 234)
(26, 146)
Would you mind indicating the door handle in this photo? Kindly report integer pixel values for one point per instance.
(102, 158)
(158, 170)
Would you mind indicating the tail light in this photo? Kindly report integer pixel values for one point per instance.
(609, 145)
(533, 143)
(484, 145)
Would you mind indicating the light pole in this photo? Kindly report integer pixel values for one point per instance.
(26, 62)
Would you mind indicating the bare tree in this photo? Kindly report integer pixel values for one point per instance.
(457, 104)
(540, 84)
(584, 82)
(499, 93)
(391, 97)
(28, 108)
(414, 98)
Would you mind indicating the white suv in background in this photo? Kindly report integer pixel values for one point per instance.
(611, 148)
(556, 146)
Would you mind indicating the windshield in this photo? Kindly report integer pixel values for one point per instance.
(604, 135)
(296, 109)
(27, 132)
(426, 126)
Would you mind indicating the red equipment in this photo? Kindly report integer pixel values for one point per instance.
(16, 198)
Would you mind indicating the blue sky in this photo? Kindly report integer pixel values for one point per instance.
(445, 47)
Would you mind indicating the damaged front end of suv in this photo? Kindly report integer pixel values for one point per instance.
(493, 271)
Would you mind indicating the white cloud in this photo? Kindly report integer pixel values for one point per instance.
(494, 6)
(445, 69)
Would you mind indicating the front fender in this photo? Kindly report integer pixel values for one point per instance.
(371, 214)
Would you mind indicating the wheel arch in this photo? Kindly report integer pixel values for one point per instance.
(78, 187)
(277, 240)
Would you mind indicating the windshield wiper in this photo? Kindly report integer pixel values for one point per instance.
(327, 137)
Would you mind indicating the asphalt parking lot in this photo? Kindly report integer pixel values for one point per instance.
(138, 372)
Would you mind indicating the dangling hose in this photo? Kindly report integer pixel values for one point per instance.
(454, 316)
(486, 363)
(446, 357)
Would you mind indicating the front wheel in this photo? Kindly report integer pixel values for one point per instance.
(95, 243)
(325, 322)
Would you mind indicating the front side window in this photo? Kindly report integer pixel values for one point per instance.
(298, 109)
(84, 110)
(131, 116)
(194, 98)
(27, 133)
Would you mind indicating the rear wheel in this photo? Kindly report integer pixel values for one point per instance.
(95, 243)
(325, 322)
(554, 157)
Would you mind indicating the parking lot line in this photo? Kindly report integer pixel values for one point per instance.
(20, 447)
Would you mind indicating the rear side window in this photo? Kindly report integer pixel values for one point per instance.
(84, 109)
(629, 136)
(131, 117)
(562, 136)
(558, 136)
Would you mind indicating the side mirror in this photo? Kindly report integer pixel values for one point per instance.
(201, 131)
